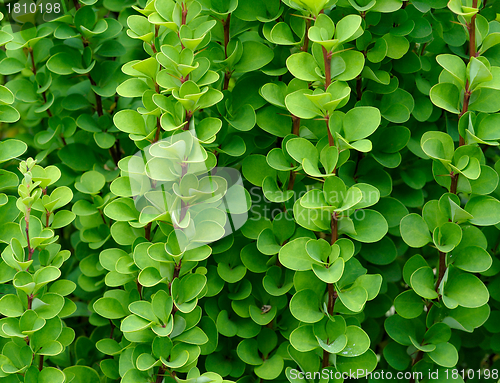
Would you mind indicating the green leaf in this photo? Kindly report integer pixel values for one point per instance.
(149, 277)
(62, 63)
(256, 169)
(248, 352)
(108, 346)
(129, 121)
(81, 374)
(90, 182)
(305, 306)
(473, 259)
(272, 120)
(371, 283)
(466, 290)
(330, 274)
(271, 368)
(133, 87)
(11, 306)
(478, 73)
(370, 226)
(408, 304)
(109, 308)
(447, 236)
(446, 96)
(294, 255)
(347, 27)
(11, 65)
(364, 363)
(397, 46)
(360, 122)
(134, 323)
(401, 329)
(77, 156)
(301, 106)
(445, 355)
(484, 209)
(354, 298)
(422, 281)
(358, 342)
(414, 230)
(454, 65)
(51, 375)
(255, 56)
(437, 333)
(303, 66)
(438, 145)
(10, 149)
(303, 339)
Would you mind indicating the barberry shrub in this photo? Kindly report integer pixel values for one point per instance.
(249, 190)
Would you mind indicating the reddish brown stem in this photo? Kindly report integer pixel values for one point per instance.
(189, 115)
(327, 58)
(177, 270)
(359, 83)
(98, 99)
(184, 14)
(226, 23)
(139, 288)
(227, 77)
(331, 141)
(183, 211)
(334, 228)
(40, 363)
(305, 45)
(326, 356)
(153, 44)
(112, 329)
(291, 182)
(176, 273)
(472, 32)
(77, 4)
(471, 28)
(161, 373)
(332, 294)
(33, 66)
(442, 268)
(102, 217)
(114, 155)
(147, 232)
(295, 125)
(27, 220)
(465, 107)
(296, 131)
(454, 183)
(332, 297)
(419, 357)
(422, 50)
(158, 129)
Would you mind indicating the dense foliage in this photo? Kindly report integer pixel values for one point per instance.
(361, 236)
